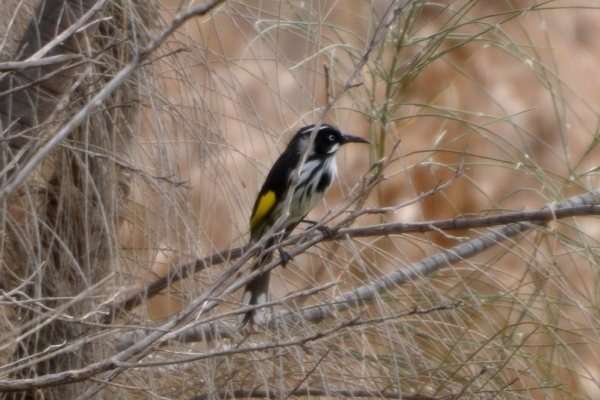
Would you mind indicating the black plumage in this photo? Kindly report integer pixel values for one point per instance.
(315, 179)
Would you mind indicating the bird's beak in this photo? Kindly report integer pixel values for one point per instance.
(354, 139)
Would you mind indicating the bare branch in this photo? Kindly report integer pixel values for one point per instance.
(22, 65)
(269, 394)
(96, 101)
(64, 35)
(213, 330)
(579, 205)
(389, 17)
(582, 205)
(430, 264)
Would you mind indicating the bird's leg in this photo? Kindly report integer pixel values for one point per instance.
(325, 230)
(285, 257)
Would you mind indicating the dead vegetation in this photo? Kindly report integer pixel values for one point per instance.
(462, 256)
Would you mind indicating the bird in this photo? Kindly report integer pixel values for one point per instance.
(314, 180)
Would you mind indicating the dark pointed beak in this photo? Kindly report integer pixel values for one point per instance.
(354, 139)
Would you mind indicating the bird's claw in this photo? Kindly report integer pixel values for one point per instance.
(285, 257)
(325, 230)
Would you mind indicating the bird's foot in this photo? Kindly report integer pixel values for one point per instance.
(285, 257)
(325, 230)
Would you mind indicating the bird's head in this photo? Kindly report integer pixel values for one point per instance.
(328, 140)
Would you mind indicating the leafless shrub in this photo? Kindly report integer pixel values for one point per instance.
(460, 260)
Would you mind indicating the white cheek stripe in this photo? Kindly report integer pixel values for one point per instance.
(334, 148)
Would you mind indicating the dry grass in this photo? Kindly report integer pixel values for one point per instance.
(505, 92)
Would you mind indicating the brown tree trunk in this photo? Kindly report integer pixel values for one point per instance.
(59, 228)
(33, 94)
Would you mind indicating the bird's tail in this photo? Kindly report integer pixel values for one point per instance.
(256, 292)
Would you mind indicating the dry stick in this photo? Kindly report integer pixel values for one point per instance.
(306, 392)
(188, 269)
(114, 365)
(579, 205)
(222, 330)
(144, 346)
(575, 206)
(73, 29)
(430, 264)
(388, 19)
(538, 217)
(228, 351)
(292, 340)
(23, 65)
(97, 100)
(181, 272)
(309, 373)
(213, 327)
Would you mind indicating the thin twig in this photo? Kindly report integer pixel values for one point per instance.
(311, 392)
(430, 264)
(469, 384)
(389, 17)
(292, 342)
(355, 321)
(327, 84)
(106, 91)
(67, 33)
(42, 62)
(380, 286)
(213, 330)
(539, 217)
(309, 373)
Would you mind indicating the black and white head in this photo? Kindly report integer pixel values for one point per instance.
(328, 140)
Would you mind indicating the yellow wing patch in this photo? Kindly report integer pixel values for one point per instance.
(265, 203)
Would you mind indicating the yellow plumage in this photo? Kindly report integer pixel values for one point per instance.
(266, 202)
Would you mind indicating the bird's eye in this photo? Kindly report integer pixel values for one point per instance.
(331, 138)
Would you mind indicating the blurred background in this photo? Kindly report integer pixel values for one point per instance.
(506, 91)
(508, 87)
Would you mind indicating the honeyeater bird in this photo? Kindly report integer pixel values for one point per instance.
(315, 179)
